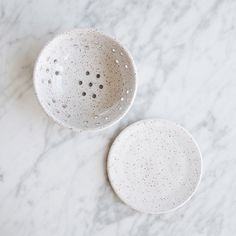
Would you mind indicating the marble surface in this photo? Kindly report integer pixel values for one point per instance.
(53, 181)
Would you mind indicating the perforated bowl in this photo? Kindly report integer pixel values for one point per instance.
(85, 80)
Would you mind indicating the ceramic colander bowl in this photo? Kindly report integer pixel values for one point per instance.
(85, 80)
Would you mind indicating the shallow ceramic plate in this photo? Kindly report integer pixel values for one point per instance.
(85, 80)
(154, 166)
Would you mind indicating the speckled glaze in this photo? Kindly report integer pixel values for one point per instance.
(85, 80)
(154, 166)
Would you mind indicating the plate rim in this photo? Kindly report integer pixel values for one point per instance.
(159, 120)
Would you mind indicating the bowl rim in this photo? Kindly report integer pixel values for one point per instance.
(99, 32)
(200, 160)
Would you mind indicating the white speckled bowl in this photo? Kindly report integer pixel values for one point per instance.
(85, 80)
(154, 166)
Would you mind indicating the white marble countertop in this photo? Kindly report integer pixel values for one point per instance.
(53, 181)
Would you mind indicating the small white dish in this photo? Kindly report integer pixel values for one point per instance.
(154, 166)
(85, 80)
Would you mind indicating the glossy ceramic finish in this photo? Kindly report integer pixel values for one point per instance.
(85, 80)
(154, 166)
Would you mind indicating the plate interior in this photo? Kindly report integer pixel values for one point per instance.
(154, 166)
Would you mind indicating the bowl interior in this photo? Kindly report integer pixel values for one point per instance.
(85, 79)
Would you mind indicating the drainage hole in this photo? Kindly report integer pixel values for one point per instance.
(98, 75)
(87, 73)
(94, 95)
(90, 84)
(83, 94)
(80, 82)
(55, 61)
(101, 86)
(56, 72)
